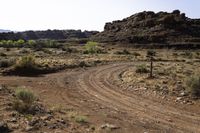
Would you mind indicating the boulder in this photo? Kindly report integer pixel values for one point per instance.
(4, 127)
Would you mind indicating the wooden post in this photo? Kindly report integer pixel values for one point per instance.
(151, 69)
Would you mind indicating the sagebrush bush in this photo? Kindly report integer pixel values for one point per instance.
(25, 95)
(27, 62)
(80, 119)
(193, 84)
(24, 100)
(142, 69)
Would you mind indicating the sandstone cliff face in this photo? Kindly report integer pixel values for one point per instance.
(150, 27)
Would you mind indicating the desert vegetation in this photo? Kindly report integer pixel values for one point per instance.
(24, 101)
(194, 85)
(82, 65)
(113, 81)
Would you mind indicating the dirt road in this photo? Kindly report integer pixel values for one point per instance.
(94, 92)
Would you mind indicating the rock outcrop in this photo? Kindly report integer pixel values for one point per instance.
(48, 34)
(150, 27)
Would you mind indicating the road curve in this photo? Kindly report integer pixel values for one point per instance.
(96, 83)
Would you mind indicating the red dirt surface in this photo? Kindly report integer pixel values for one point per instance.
(93, 92)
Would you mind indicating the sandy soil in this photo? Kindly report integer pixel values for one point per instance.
(94, 92)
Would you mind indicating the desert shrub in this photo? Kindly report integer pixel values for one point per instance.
(83, 64)
(136, 54)
(142, 69)
(25, 95)
(72, 50)
(80, 119)
(50, 43)
(39, 44)
(151, 53)
(2, 54)
(76, 40)
(90, 48)
(19, 43)
(9, 43)
(67, 49)
(125, 51)
(101, 50)
(31, 43)
(24, 51)
(77, 117)
(12, 43)
(47, 51)
(6, 62)
(24, 100)
(193, 84)
(187, 54)
(26, 62)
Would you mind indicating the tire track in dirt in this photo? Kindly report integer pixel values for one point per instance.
(191, 118)
(96, 84)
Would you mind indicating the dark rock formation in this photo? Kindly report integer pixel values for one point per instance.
(150, 27)
(48, 34)
(4, 31)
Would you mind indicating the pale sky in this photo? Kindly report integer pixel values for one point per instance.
(20, 15)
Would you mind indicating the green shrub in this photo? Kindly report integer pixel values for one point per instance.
(19, 43)
(24, 100)
(90, 48)
(27, 62)
(25, 95)
(77, 117)
(50, 44)
(193, 84)
(142, 69)
(80, 119)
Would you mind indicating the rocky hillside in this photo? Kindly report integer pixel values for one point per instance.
(48, 34)
(149, 27)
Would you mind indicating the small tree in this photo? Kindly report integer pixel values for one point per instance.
(150, 55)
(9, 43)
(20, 42)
